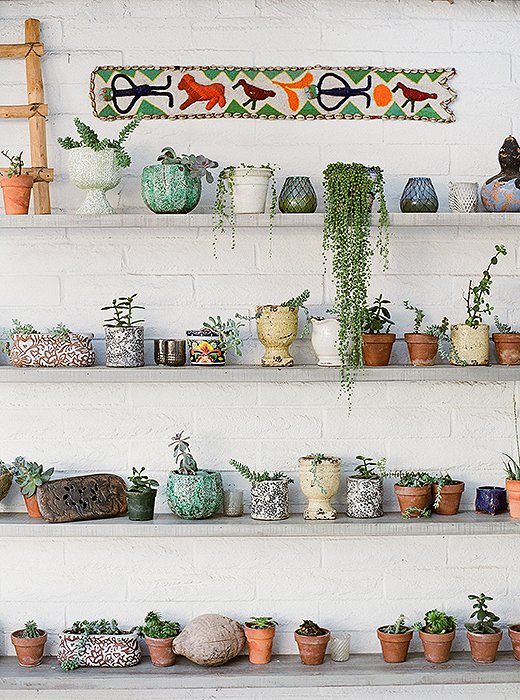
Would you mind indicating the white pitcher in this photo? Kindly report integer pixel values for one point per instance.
(325, 338)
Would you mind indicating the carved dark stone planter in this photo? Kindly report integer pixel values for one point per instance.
(82, 498)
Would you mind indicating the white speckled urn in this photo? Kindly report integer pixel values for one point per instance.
(277, 327)
(270, 499)
(364, 497)
(469, 345)
(96, 172)
(319, 483)
(124, 346)
(325, 339)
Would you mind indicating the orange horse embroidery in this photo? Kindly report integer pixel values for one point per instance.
(211, 94)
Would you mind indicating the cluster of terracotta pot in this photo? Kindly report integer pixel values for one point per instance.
(260, 645)
(415, 499)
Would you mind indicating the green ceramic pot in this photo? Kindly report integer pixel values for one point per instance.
(168, 189)
(297, 196)
(195, 496)
(141, 505)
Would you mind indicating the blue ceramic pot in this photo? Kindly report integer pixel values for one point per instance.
(491, 499)
(419, 196)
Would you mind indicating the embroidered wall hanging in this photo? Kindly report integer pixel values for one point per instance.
(195, 92)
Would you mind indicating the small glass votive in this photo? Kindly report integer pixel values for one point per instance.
(340, 647)
(170, 352)
(233, 503)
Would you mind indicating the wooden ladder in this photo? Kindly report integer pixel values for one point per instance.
(35, 111)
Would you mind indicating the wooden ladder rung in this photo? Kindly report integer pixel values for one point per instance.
(23, 111)
(40, 174)
(21, 50)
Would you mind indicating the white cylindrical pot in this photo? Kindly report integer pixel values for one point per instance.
(469, 345)
(325, 339)
(270, 500)
(250, 190)
(97, 172)
(364, 497)
(319, 482)
(124, 346)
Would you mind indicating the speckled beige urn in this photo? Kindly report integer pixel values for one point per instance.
(277, 327)
(319, 482)
(469, 345)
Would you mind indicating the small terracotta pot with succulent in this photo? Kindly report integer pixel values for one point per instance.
(159, 635)
(377, 342)
(29, 644)
(483, 635)
(29, 476)
(260, 633)
(423, 347)
(16, 186)
(514, 635)
(512, 469)
(447, 493)
(436, 633)
(414, 493)
(312, 642)
(507, 344)
(395, 640)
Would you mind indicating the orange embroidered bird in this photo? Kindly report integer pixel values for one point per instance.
(413, 95)
(211, 94)
(254, 93)
(290, 88)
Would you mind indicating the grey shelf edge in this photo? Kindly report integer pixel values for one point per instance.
(166, 525)
(254, 373)
(362, 670)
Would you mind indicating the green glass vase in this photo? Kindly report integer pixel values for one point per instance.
(297, 196)
(169, 189)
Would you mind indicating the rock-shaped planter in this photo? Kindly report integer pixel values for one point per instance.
(111, 650)
(484, 647)
(97, 172)
(325, 340)
(42, 350)
(507, 346)
(469, 345)
(210, 640)
(394, 646)
(364, 497)
(29, 650)
(422, 348)
(319, 482)
(437, 647)
(195, 496)
(169, 189)
(377, 348)
(270, 499)
(124, 346)
(277, 327)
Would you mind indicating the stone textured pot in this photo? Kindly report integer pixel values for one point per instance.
(124, 346)
(413, 497)
(501, 192)
(6, 479)
(102, 650)
(507, 346)
(463, 197)
(33, 509)
(364, 497)
(161, 651)
(297, 196)
(513, 494)
(260, 644)
(514, 634)
(484, 647)
(141, 505)
(97, 172)
(422, 348)
(250, 190)
(204, 347)
(419, 196)
(312, 649)
(41, 350)
(470, 345)
(277, 327)
(210, 640)
(394, 646)
(169, 189)
(29, 651)
(450, 498)
(195, 496)
(377, 348)
(270, 499)
(324, 339)
(17, 193)
(491, 499)
(319, 483)
(437, 647)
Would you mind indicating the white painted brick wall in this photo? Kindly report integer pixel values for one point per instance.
(50, 276)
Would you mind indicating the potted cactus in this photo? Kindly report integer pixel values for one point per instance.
(483, 634)
(96, 643)
(159, 635)
(312, 642)
(319, 482)
(436, 633)
(377, 341)
(365, 489)
(269, 492)
(512, 469)
(260, 633)
(29, 644)
(193, 493)
(507, 344)
(29, 476)
(395, 640)
(209, 345)
(16, 187)
(140, 496)
(124, 338)
(414, 493)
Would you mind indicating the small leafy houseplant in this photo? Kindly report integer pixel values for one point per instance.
(319, 482)
(193, 493)
(16, 187)
(269, 492)
(377, 340)
(29, 476)
(175, 186)
(159, 635)
(141, 494)
(470, 340)
(512, 469)
(437, 633)
(395, 640)
(365, 488)
(507, 344)
(260, 633)
(483, 634)
(422, 346)
(209, 345)
(98, 643)
(95, 164)
(29, 644)
(414, 493)
(447, 493)
(312, 642)
(124, 337)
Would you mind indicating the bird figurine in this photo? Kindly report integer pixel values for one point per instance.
(254, 93)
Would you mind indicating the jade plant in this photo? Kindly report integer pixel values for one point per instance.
(476, 303)
(398, 627)
(123, 309)
(485, 620)
(308, 628)
(86, 628)
(255, 477)
(377, 318)
(436, 622)
(349, 194)
(30, 475)
(140, 483)
(88, 138)
(157, 628)
(15, 164)
(196, 167)
(228, 333)
(368, 468)
(512, 465)
(261, 623)
(184, 460)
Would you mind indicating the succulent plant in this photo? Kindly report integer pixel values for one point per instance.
(30, 475)
(184, 460)
(157, 628)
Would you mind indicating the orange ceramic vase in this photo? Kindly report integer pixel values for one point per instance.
(17, 193)
(507, 346)
(260, 644)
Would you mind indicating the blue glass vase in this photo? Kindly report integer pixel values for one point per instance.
(419, 196)
(297, 196)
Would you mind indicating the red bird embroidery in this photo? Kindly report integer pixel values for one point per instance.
(211, 94)
(254, 93)
(413, 95)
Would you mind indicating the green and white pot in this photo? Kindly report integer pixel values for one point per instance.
(195, 496)
(169, 189)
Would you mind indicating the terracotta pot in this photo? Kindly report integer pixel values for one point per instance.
(277, 327)
(514, 634)
(394, 646)
(260, 644)
(484, 647)
(470, 345)
(161, 651)
(377, 348)
(312, 649)
(513, 494)
(507, 346)
(319, 483)
(17, 193)
(437, 647)
(413, 497)
(33, 509)
(422, 348)
(29, 651)
(450, 498)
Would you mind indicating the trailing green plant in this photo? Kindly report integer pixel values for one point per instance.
(123, 308)
(256, 477)
(368, 469)
(411, 479)
(140, 483)
(511, 465)
(349, 193)
(15, 164)
(157, 628)
(504, 327)
(377, 317)
(30, 475)
(261, 623)
(476, 304)
(297, 302)
(228, 333)
(485, 619)
(419, 316)
(88, 138)
(184, 460)
(316, 459)
(197, 167)
(446, 350)
(87, 628)
(436, 622)
(308, 628)
(31, 630)
(415, 512)
(397, 628)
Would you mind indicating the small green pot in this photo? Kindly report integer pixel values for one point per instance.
(168, 189)
(195, 496)
(141, 505)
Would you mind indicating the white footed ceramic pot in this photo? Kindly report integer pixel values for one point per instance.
(250, 190)
(325, 339)
(469, 345)
(319, 483)
(96, 172)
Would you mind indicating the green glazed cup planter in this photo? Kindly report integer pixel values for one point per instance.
(141, 505)
(169, 189)
(297, 196)
(195, 496)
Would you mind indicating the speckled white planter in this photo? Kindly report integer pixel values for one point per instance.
(96, 172)
(470, 345)
(364, 498)
(270, 500)
(124, 346)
